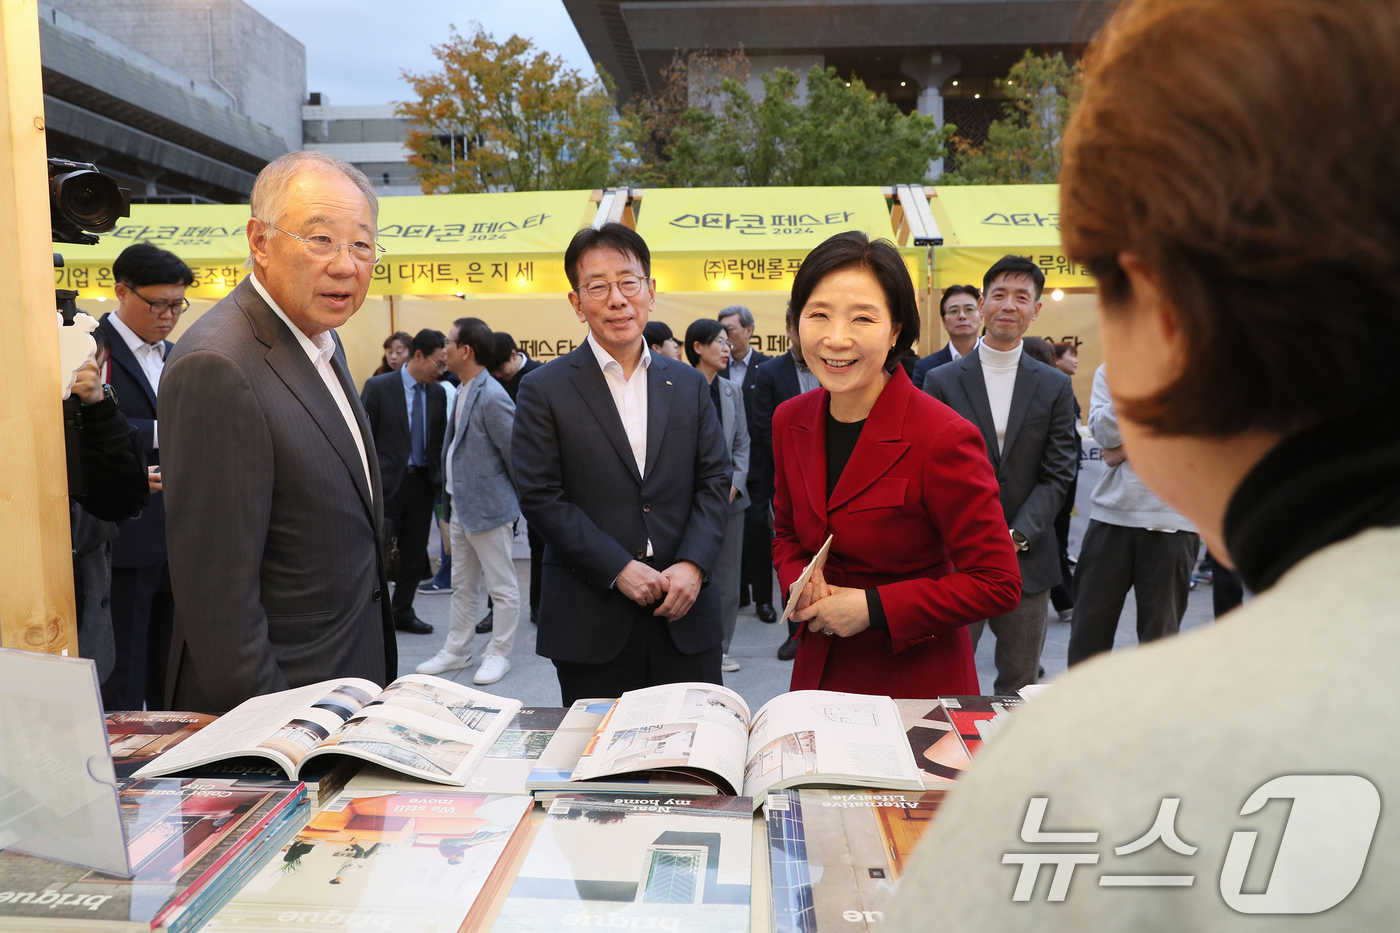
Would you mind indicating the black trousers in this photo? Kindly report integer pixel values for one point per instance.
(1062, 595)
(143, 612)
(410, 509)
(756, 566)
(1227, 591)
(1156, 565)
(648, 658)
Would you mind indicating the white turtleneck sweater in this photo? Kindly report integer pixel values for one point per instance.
(999, 373)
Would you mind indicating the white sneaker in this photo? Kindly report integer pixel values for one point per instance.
(728, 664)
(493, 668)
(442, 662)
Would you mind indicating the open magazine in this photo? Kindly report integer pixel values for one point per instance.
(807, 738)
(423, 726)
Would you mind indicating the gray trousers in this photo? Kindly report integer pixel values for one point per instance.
(1020, 636)
(726, 575)
(1156, 565)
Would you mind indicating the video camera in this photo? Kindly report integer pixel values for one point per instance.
(83, 202)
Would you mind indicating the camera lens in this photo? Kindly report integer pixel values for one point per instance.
(87, 200)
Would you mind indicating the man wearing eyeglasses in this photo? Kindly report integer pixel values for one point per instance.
(150, 287)
(275, 509)
(621, 467)
(407, 411)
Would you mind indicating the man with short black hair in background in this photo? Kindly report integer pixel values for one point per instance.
(150, 287)
(517, 366)
(961, 311)
(756, 568)
(407, 411)
(1025, 411)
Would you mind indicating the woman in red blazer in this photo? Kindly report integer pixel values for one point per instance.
(901, 482)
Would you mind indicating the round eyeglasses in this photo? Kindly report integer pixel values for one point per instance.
(599, 291)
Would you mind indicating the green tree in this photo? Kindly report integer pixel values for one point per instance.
(501, 116)
(843, 134)
(1023, 146)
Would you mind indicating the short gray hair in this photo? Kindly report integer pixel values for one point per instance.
(745, 315)
(270, 190)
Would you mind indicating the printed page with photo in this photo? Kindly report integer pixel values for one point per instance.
(687, 726)
(427, 727)
(824, 737)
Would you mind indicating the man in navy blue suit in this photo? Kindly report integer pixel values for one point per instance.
(960, 308)
(150, 287)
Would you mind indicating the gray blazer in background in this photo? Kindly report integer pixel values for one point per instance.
(482, 496)
(734, 426)
(274, 534)
(1037, 459)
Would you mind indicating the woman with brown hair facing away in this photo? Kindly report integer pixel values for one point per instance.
(1232, 180)
(920, 548)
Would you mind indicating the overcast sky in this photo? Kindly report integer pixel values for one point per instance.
(355, 49)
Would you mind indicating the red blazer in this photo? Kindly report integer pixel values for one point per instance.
(916, 514)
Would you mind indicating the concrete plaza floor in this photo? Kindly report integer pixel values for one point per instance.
(761, 675)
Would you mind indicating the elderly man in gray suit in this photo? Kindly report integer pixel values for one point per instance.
(1025, 411)
(479, 493)
(274, 508)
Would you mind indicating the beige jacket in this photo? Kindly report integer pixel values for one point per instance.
(1299, 681)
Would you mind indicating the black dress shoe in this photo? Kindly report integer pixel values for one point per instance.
(414, 626)
(766, 613)
(788, 651)
(485, 624)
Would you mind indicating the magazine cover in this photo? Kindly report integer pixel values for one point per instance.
(181, 832)
(977, 719)
(636, 862)
(836, 855)
(938, 753)
(138, 737)
(393, 863)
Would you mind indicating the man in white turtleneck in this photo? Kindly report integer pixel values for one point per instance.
(1025, 411)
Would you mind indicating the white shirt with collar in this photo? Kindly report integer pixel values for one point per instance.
(150, 357)
(630, 397)
(999, 373)
(319, 351)
(953, 354)
(739, 368)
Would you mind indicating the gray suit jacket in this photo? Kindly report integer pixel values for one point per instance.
(581, 490)
(483, 485)
(274, 535)
(734, 427)
(1038, 458)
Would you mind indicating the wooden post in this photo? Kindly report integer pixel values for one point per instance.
(36, 564)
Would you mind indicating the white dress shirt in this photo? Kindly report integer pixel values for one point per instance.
(149, 356)
(630, 397)
(999, 373)
(319, 351)
(739, 368)
(953, 354)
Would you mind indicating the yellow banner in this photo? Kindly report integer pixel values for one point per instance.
(965, 265)
(1000, 215)
(748, 271)
(508, 243)
(732, 220)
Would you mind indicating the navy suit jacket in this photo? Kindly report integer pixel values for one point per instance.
(387, 411)
(141, 541)
(932, 361)
(775, 382)
(581, 490)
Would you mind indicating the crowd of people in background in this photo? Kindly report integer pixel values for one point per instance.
(440, 419)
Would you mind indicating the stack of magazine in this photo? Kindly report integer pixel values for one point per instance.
(402, 860)
(691, 734)
(192, 842)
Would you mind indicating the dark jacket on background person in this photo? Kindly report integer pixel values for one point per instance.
(932, 361)
(387, 411)
(512, 385)
(113, 489)
(775, 381)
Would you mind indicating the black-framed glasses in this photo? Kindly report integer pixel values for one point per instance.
(177, 307)
(323, 247)
(630, 287)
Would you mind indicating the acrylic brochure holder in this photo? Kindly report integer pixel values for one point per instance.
(58, 792)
